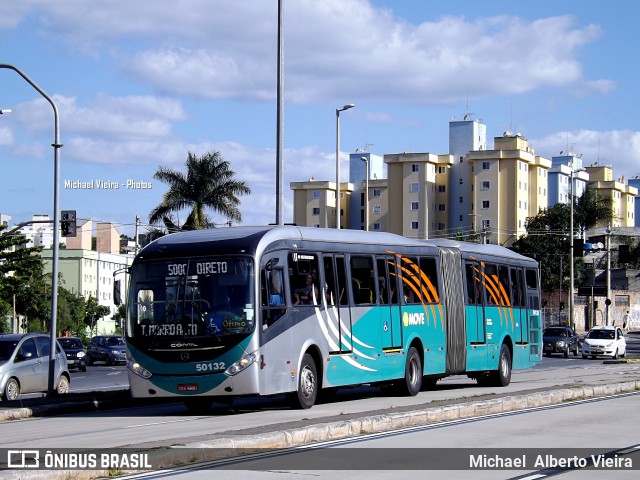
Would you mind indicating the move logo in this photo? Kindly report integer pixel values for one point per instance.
(412, 319)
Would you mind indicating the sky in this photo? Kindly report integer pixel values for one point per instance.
(140, 84)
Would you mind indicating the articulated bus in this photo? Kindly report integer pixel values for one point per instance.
(217, 314)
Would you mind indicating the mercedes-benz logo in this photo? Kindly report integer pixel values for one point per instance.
(184, 356)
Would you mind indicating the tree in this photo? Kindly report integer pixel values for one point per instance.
(207, 183)
(94, 311)
(591, 210)
(19, 264)
(547, 241)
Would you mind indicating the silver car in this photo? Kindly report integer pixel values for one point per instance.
(24, 365)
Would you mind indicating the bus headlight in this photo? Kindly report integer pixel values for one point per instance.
(241, 364)
(136, 368)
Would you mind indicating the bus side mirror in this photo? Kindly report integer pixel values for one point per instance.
(117, 295)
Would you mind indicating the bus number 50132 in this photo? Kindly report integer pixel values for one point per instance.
(210, 367)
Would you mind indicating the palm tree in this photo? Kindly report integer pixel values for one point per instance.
(208, 183)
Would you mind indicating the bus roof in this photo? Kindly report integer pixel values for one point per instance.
(249, 239)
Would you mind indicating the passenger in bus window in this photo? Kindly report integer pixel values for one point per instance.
(308, 294)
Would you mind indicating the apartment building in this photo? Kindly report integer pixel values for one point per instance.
(416, 183)
(501, 185)
(362, 164)
(40, 232)
(560, 179)
(92, 274)
(314, 203)
(635, 183)
(465, 135)
(621, 194)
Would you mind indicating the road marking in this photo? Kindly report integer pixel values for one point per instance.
(161, 423)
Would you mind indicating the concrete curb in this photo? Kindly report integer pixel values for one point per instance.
(426, 416)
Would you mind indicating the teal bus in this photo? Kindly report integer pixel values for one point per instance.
(221, 313)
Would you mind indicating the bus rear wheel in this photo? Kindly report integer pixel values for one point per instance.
(412, 382)
(305, 396)
(502, 376)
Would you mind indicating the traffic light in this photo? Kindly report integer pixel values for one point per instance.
(624, 254)
(578, 247)
(68, 223)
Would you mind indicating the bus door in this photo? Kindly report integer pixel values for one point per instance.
(518, 303)
(389, 306)
(476, 328)
(337, 300)
(533, 310)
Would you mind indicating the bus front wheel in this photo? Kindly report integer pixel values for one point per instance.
(305, 396)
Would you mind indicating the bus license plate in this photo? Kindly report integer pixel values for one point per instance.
(188, 387)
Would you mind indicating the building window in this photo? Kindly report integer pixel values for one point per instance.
(442, 188)
(622, 300)
(377, 209)
(441, 226)
(414, 225)
(460, 218)
(486, 224)
(316, 211)
(376, 226)
(415, 187)
(486, 165)
(441, 207)
(415, 167)
(415, 205)
(486, 204)
(315, 194)
(317, 225)
(460, 181)
(461, 199)
(442, 169)
(486, 185)
(376, 192)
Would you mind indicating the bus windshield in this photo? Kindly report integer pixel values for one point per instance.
(190, 298)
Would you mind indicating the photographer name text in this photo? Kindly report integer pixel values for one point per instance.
(98, 184)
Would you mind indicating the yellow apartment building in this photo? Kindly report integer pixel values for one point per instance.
(314, 203)
(622, 195)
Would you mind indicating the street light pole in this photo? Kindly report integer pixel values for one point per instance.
(56, 223)
(366, 193)
(338, 110)
(571, 250)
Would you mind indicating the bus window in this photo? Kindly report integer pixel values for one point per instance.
(474, 291)
(362, 284)
(429, 277)
(272, 293)
(532, 278)
(517, 288)
(410, 280)
(383, 281)
(341, 270)
(393, 281)
(491, 284)
(303, 279)
(330, 281)
(145, 306)
(504, 287)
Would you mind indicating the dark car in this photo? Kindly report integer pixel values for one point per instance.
(74, 350)
(560, 340)
(107, 348)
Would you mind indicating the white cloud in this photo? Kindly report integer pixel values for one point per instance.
(222, 49)
(618, 148)
(6, 136)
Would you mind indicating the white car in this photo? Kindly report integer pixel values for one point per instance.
(604, 340)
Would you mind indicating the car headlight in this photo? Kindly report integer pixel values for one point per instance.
(241, 364)
(138, 369)
(609, 345)
(81, 354)
(560, 343)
